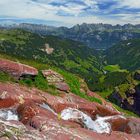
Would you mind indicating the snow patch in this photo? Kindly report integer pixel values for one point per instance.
(100, 125)
(46, 106)
(8, 115)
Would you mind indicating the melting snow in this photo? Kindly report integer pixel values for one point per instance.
(8, 115)
(46, 106)
(100, 125)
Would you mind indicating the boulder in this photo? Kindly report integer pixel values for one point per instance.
(56, 79)
(52, 76)
(133, 126)
(16, 69)
(119, 124)
(62, 86)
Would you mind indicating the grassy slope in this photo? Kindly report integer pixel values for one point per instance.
(41, 83)
(113, 68)
(126, 54)
(69, 55)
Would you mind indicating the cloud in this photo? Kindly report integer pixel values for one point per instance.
(70, 12)
(130, 3)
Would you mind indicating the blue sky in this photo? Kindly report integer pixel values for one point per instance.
(70, 12)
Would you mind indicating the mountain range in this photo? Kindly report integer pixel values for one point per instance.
(99, 36)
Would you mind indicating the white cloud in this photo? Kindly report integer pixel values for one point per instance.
(130, 3)
(43, 10)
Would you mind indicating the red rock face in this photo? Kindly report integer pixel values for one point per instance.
(16, 69)
(44, 124)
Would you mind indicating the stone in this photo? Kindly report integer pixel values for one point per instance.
(56, 79)
(52, 76)
(13, 130)
(16, 69)
(62, 86)
(133, 126)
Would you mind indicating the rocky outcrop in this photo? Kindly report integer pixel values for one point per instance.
(128, 99)
(137, 75)
(47, 49)
(52, 76)
(34, 114)
(29, 113)
(17, 70)
(56, 79)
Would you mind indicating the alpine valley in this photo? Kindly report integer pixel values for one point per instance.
(78, 83)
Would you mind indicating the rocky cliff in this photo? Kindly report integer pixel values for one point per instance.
(29, 113)
(128, 99)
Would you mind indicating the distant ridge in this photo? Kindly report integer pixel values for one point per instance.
(99, 36)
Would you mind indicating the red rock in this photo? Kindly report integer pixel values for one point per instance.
(56, 79)
(52, 76)
(13, 94)
(46, 117)
(91, 108)
(6, 103)
(26, 111)
(62, 86)
(133, 126)
(16, 69)
(50, 126)
(104, 102)
(23, 94)
(119, 124)
(105, 111)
